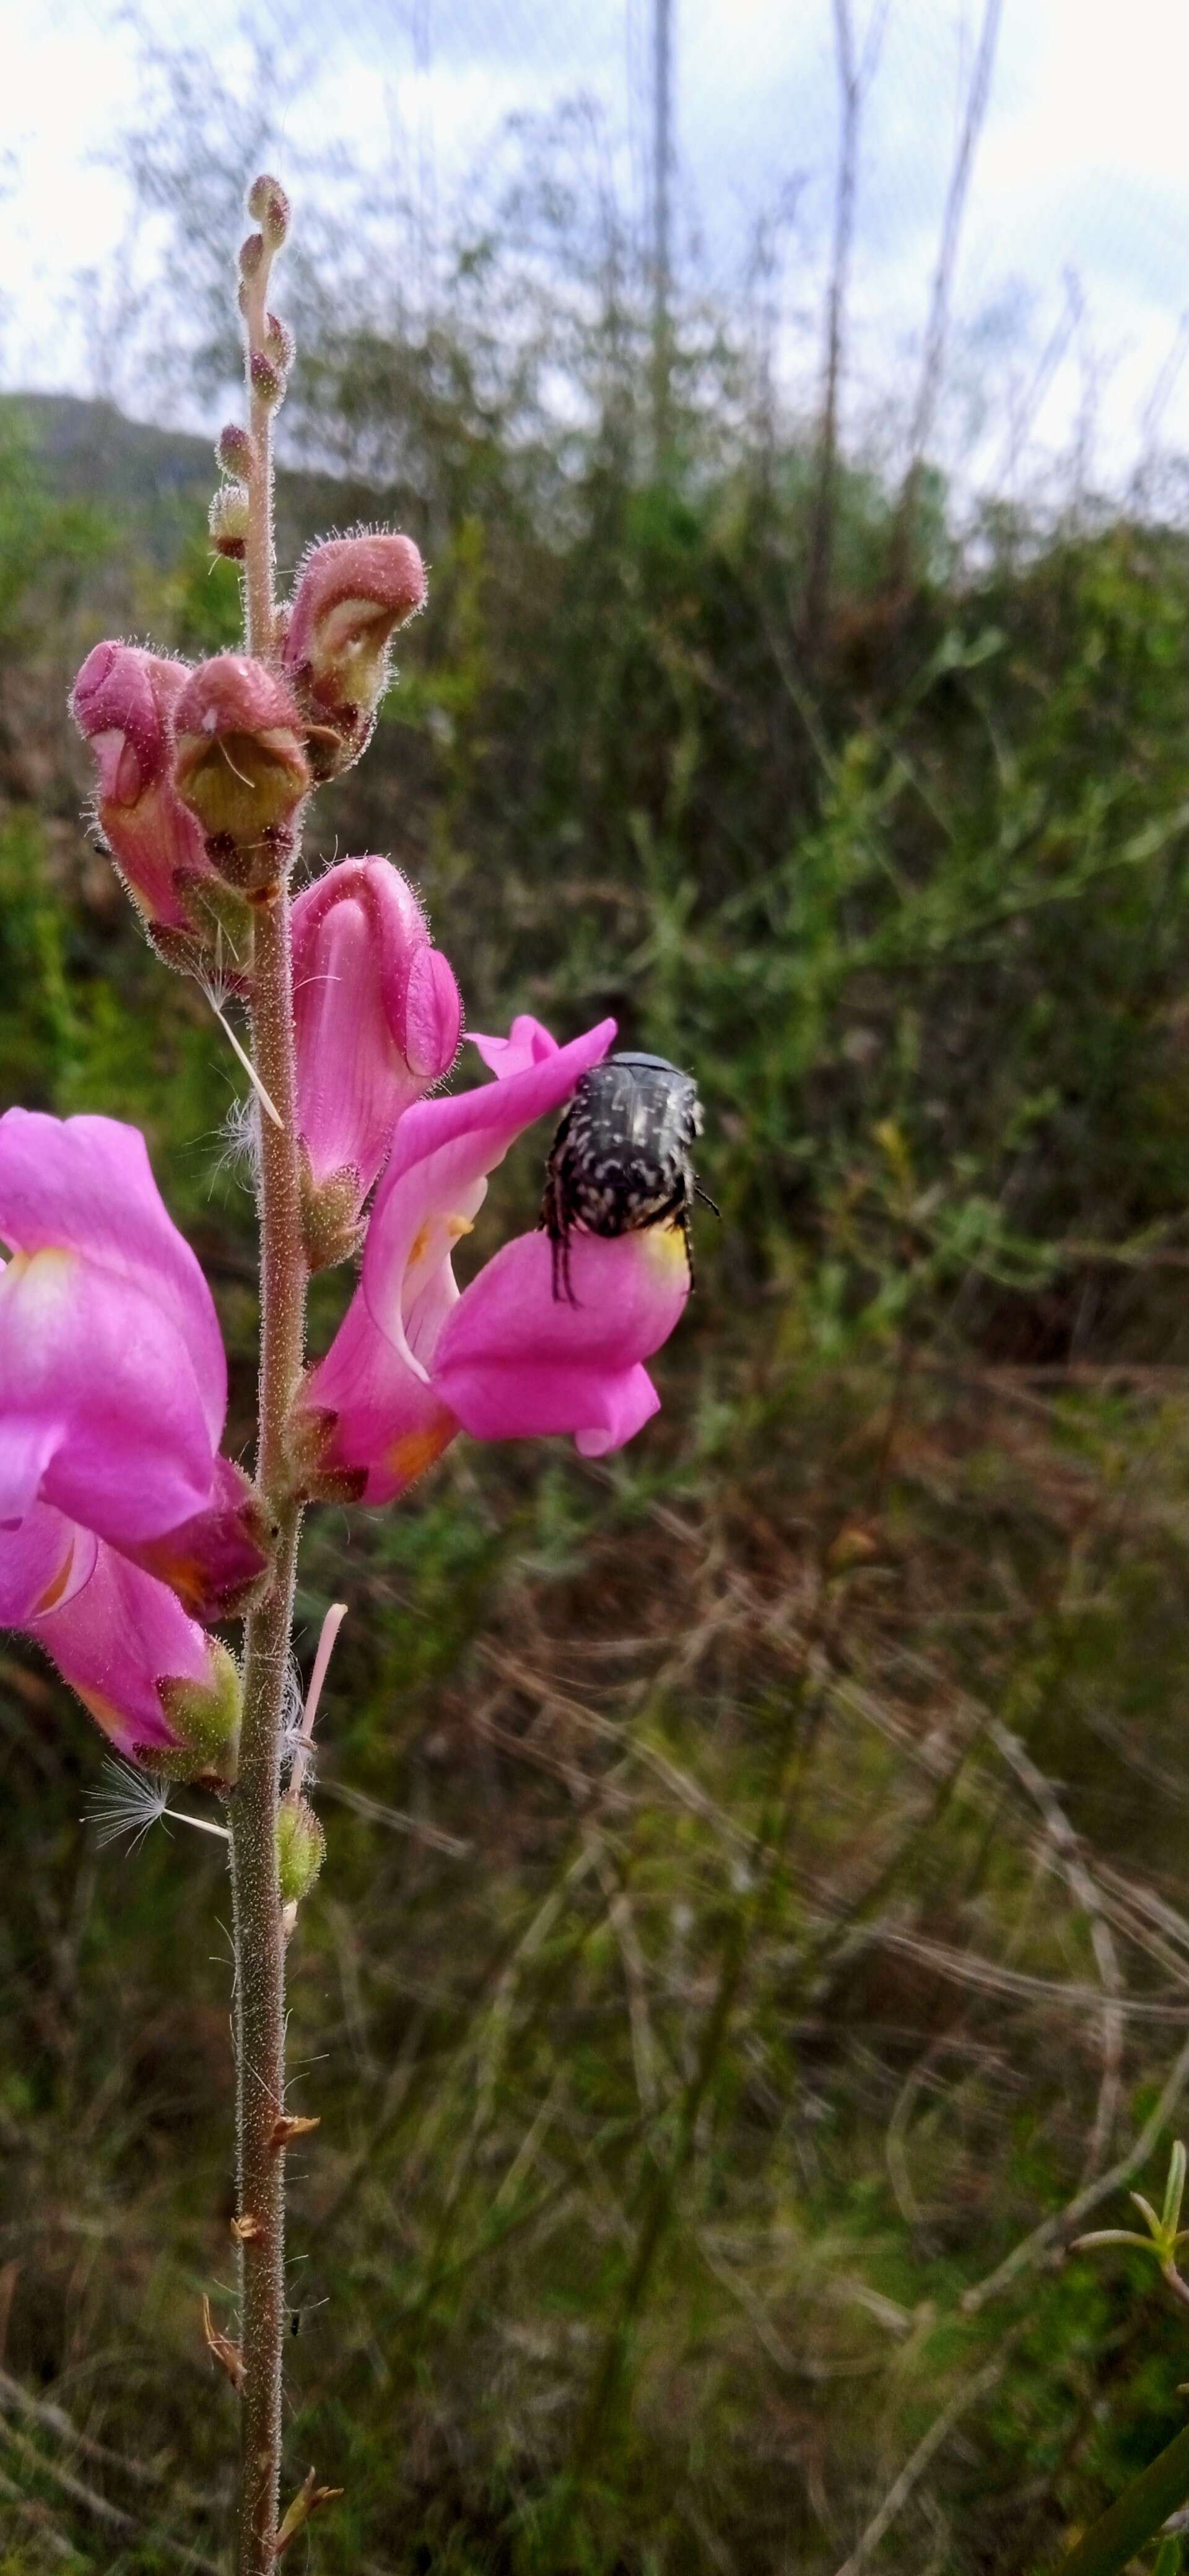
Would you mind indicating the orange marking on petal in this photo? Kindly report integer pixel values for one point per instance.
(184, 1575)
(54, 1591)
(416, 1450)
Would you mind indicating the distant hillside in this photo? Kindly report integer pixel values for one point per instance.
(88, 451)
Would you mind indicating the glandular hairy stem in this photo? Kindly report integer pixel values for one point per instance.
(252, 1806)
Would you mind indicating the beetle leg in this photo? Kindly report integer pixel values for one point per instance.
(707, 1201)
(555, 1226)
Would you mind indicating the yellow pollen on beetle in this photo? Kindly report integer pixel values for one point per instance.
(665, 1245)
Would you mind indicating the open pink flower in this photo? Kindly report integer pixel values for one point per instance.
(414, 1361)
(113, 1381)
(165, 1693)
(123, 703)
(377, 1019)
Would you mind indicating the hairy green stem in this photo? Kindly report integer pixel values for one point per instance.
(252, 1808)
(260, 552)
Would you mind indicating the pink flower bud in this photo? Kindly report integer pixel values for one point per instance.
(269, 207)
(251, 252)
(124, 703)
(279, 341)
(235, 451)
(241, 766)
(377, 1019)
(352, 594)
(267, 379)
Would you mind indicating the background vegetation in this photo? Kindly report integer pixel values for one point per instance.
(754, 1936)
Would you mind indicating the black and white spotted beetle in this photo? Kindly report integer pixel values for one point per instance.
(620, 1160)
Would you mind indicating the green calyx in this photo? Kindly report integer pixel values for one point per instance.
(301, 1850)
(205, 1717)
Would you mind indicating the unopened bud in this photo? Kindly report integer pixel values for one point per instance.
(251, 252)
(124, 704)
(269, 207)
(352, 595)
(301, 1850)
(279, 341)
(235, 451)
(330, 1223)
(241, 767)
(267, 380)
(228, 519)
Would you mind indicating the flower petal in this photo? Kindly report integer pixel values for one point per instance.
(83, 1185)
(513, 1361)
(377, 1379)
(527, 1043)
(100, 1411)
(437, 1176)
(389, 1423)
(214, 1561)
(42, 1565)
(376, 1015)
(159, 1687)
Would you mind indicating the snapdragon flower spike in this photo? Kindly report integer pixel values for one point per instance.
(377, 1020)
(165, 1694)
(352, 594)
(240, 767)
(113, 1380)
(415, 1362)
(124, 702)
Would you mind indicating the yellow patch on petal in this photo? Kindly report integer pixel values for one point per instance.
(666, 1248)
(457, 1226)
(416, 1450)
(40, 1279)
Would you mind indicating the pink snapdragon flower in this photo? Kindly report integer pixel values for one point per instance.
(377, 1020)
(123, 703)
(113, 1380)
(415, 1361)
(165, 1693)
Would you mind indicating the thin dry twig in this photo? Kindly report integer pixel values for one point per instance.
(1065, 2223)
(922, 2458)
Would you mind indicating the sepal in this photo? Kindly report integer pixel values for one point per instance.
(301, 1849)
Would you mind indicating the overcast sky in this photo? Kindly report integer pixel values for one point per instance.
(1079, 206)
